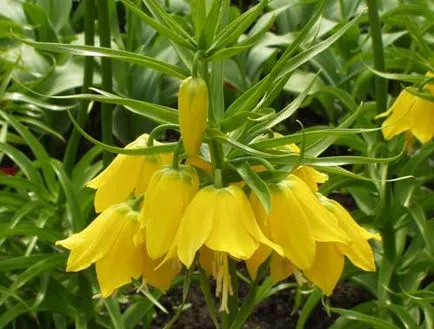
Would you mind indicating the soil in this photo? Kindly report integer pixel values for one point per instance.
(274, 313)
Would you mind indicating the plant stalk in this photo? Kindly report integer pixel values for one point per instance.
(89, 34)
(106, 75)
(378, 52)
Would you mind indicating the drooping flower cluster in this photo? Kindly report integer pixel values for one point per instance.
(156, 217)
(411, 113)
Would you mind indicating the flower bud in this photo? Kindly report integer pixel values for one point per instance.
(193, 112)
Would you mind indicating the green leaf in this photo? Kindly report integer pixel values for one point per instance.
(141, 60)
(161, 15)
(23, 162)
(368, 319)
(313, 51)
(308, 307)
(292, 107)
(115, 313)
(43, 266)
(233, 31)
(155, 112)
(136, 312)
(157, 26)
(20, 262)
(78, 222)
(426, 231)
(45, 234)
(37, 148)
(165, 148)
(12, 313)
(228, 52)
(256, 184)
(18, 97)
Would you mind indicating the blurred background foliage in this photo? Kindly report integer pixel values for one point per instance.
(42, 194)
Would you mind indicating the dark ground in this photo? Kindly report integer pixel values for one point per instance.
(274, 313)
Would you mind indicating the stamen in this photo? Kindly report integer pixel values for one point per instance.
(223, 279)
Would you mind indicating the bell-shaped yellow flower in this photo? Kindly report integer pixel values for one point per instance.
(193, 113)
(167, 197)
(222, 220)
(410, 113)
(108, 242)
(296, 221)
(331, 255)
(125, 175)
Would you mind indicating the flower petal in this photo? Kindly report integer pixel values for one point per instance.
(327, 268)
(120, 181)
(229, 233)
(124, 260)
(162, 215)
(94, 242)
(196, 225)
(422, 120)
(280, 268)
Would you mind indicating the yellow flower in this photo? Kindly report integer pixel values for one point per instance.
(296, 221)
(221, 220)
(168, 195)
(193, 112)
(126, 174)
(410, 113)
(331, 255)
(108, 242)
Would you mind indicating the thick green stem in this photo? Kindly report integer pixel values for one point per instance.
(89, 34)
(377, 48)
(106, 75)
(234, 301)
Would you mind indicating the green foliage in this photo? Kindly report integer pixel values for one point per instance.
(267, 68)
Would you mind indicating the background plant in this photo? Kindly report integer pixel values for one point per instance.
(300, 59)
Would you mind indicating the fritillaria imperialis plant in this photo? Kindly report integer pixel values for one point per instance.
(231, 193)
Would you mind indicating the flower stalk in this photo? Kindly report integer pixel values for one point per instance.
(106, 75)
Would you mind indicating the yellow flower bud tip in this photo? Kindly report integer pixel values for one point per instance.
(193, 113)
(222, 220)
(168, 195)
(108, 243)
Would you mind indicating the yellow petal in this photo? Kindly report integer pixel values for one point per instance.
(359, 252)
(311, 177)
(229, 233)
(123, 261)
(162, 214)
(150, 165)
(399, 117)
(195, 226)
(280, 268)
(93, 243)
(116, 164)
(323, 225)
(258, 258)
(327, 268)
(422, 120)
(288, 225)
(120, 181)
(162, 276)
